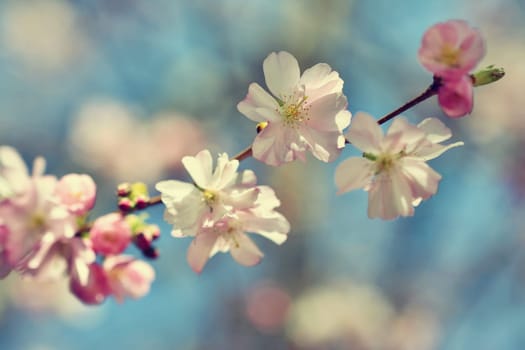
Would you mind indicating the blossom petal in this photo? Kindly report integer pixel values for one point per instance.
(390, 196)
(328, 113)
(353, 173)
(257, 98)
(365, 133)
(245, 252)
(325, 145)
(435, 150)
(225, 173)
(281, 73)
(199, 167)
(320, 80)
(455, 97)
(423, 180)
(200, 249)
(277, 144)
(274, 227)
(435, 129)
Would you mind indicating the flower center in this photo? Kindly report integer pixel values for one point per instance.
(37, 221)
(209, 197)
(449, 56)
(294, 112)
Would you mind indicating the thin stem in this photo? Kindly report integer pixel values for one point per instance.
(245, 153)
(431, 91)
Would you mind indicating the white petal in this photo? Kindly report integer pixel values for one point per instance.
(277, 144)
(423, 180)
(199, 167)
(281, 73)
(225, 173)
(390, 196)
(436, 131)
(257, 98)
(353, 173)
(274, 228)
(320, 81)
(324, 113)
(435, 150)
(402, 136)
(365, 133)
(173, 191)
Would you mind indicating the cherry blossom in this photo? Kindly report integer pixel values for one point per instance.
(219, 207)
(303, 113)
(229, 233)
(110, 234)
(393, 168)
(77, 192)
(211, 195)
(128, 277)
(451, 50)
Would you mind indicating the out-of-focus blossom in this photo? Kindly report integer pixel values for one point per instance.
(77, 192)
(218, 208)
(393, 168)
(346, 315)
(43, 34)
(30, 220)
(306, 112)
(451, 49)
(455, 97)
(128, 277)
(141, 149)
(267, 307)
(110, 234)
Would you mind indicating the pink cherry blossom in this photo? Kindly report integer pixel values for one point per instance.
(455, 97)
(393, 169)
(77, 192)
(212, 193)
(128, 277)
(304, 113)
(229, 233)
(451, 49)
(110, 234)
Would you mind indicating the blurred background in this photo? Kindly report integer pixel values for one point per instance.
(122, 89)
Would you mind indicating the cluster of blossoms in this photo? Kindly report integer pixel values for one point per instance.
(44, 227)
(43, 233)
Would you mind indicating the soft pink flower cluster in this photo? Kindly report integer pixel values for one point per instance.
(219, 207)
(44, 233)
(450, 50)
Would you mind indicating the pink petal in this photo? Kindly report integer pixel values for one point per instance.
(281, 73)
(325, 145)
(320, 81)
(353, 173)
(199, 250)
(422, 179)
(257, 97)
(455, 97)
(390, 196)
(277, 144)
(365, 133)
(325, 113)
(402, 136)
(273, 226)
(245, 252)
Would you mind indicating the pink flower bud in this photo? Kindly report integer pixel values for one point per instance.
(125, 204)
(451, 49)
(455, 97)
(110, 234)
(89, 283)
(128, 277)
(77, 192)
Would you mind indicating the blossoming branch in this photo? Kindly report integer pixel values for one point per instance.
(46, 229)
